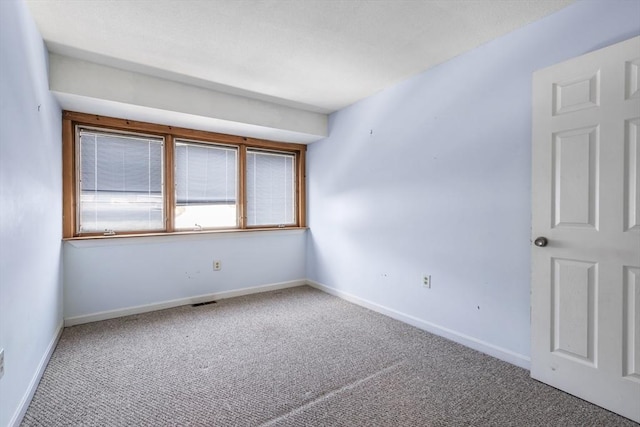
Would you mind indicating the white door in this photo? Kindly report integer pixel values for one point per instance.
(585, 282)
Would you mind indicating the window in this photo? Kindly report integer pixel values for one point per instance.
(270, 188)
(120, 182)
(206, 186)
(125, 177)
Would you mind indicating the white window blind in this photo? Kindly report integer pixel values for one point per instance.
(206, 186)
(121, 182)
(270, 188)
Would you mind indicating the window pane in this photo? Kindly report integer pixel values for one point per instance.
(206, 186)
(120, 182)
(270, 188)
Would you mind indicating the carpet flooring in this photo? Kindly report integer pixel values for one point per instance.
(294, 357)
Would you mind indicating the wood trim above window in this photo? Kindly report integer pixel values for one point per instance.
(72, 120)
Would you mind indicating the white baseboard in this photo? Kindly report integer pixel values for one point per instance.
(466, 340)
(35, 380)
(112, 314)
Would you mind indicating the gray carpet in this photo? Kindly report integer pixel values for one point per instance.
(296, 357)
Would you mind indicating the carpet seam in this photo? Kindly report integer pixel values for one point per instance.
(330, 394)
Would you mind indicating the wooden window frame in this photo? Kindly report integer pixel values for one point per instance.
(72, 120)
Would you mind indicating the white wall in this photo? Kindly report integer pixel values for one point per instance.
(119, 274)
(433, 175)
(30, 209)
(94, 88)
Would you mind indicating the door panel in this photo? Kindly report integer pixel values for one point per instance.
(631, 336)
(577, 94)
(632, 176)
(573, 304)
(575, 178)
(632, 81)
(585, 283)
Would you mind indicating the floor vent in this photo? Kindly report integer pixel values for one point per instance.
(203, 303)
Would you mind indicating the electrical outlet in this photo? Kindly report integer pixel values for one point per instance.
(426, 280)
(217, 265)
(1, 362)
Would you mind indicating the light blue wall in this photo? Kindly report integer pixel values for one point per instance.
(434, 175)
(119, 274)
(30, 207)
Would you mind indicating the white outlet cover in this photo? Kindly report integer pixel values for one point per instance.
(426, 280)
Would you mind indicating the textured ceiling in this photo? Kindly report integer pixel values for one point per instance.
(321, 55)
